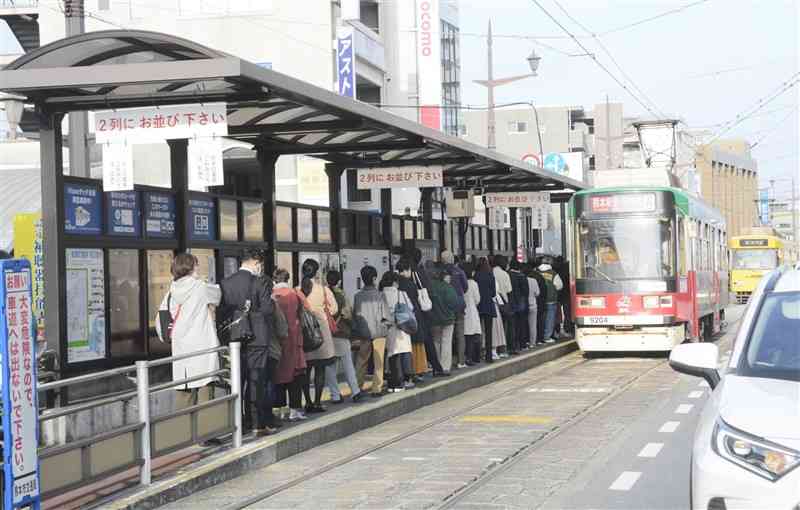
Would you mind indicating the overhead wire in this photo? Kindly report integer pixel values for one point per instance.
(772, 129)
(653, 18)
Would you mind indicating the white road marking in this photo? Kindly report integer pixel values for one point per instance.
(368, 457)
(651, 450)
(568, 390)
(625, 481)
(684, 409)
(414, 458)
(669, 427)
(696, 394)
(703, 384)
(620, 360)
(496, 459)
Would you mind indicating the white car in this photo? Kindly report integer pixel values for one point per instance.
(746, 452)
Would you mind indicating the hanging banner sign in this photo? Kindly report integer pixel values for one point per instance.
(202, 219)
(117, 167)
(28, 244)
(123, 216)
(497, 218)
(162, 123)
(401, 177)
(429, 62)
(345, 62)
(20, 409)
(539, 217)
(518, 199)
(82, 209)
(205, 164)
(159, 215)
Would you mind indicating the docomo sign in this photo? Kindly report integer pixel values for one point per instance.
(163, 123)
(400, 177)
(425, 10)
(429, 63)
(518, 199)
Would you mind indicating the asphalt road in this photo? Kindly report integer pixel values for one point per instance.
(605, 433)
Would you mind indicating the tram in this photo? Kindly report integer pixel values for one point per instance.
(650, 268)
(753, 256)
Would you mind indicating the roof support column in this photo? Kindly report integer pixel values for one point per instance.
(564, 230)
(386, 211)
(52, 173)
(426, 198)
(179, 175)
(267, 160)
(512, 213)
(334, 173)
(463, 225)
(489, 232)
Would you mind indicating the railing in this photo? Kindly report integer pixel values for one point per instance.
(11, 4)
(132, 445)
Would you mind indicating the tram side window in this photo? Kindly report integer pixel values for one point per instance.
(124, 309)
(682, 248)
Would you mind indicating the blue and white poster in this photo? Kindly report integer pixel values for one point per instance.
(202, 219)
(82, 209)
(20, 408)
(345, 62)
(123, 215)
(555, 162)
(159, 215)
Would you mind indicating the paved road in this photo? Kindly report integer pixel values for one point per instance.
(611, 433)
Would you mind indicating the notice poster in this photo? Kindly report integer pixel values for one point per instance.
(202, 219)
(156, 123)
(206, 264)
(28, 239)
(82, 209)
(86, 303)
(117, 167)
(539, 218)
(123, 214)
(205, 163)
(159, 215)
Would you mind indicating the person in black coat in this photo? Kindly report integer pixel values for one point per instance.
(540, 308)
(487, 288)
(262, 353)
(519, 305)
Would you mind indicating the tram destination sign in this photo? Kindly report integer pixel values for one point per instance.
(401, 177)
(754, 243)
(623, 203)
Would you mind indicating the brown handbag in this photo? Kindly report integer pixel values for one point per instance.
(328, 315)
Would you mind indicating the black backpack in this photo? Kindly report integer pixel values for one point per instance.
(237, 325)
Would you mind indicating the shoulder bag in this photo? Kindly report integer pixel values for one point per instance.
(328, 315)
(238, 327)
(425, 303)
(312, 333)
(403, 314)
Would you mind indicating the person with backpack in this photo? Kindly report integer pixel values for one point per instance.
(486, 306)
(553, 284)
(458, 280)
(503, 300)
(291, 373)
(443, 317)
(248, 289)
(408, 283)
(370, 320)
(533, 304)
(398, 341)
(519, 307)
(341, 344)
(190, 327)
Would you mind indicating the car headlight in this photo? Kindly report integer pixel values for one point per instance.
(764, 458)
(592, 302)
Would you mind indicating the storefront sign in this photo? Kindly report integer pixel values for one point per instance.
(518, 199)
(202, 219)
(123, 215)
(117, 167)
(539, 217)
(20, 410)
(82, 209)
(28, 239)
(345, 62)
(205, 163)
(161, 123)
(400, 177)
(429, 62)
(86, 319)
(159, 215)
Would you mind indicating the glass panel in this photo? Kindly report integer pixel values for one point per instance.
(469, 238)
(253, 214)
(420, 230)
(408, 226)
(755, 259)
(158, 282)
(206, 265)
(283, 222)
(228, 221)
(123, 278)
(396, 226)
(484, 238)
(362, 229)
(86, 305)
(346, 229)
(305, 227)
(324, 227)
(377, 230)
(283, 260)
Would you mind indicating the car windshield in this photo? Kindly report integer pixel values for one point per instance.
(774, 347)
(755, 259)
(626, 248)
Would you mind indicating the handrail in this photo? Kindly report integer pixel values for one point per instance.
(86, 378)
(65, 411)
(180, 382)
(167, 361)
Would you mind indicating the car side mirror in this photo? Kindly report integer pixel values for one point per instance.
(697, 359)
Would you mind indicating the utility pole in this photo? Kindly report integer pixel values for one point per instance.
(491, 141)
(78, 121)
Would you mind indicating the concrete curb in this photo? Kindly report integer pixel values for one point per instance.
(233, 463)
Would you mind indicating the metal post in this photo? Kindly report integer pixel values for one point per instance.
(491, 141)
(795, 236)
(236, 389)
(143, 396)
(78, 121)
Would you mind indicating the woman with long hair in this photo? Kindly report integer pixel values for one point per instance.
(291, 374)
(486, 306)
(398, 342)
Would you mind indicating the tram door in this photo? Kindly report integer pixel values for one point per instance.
(352, 262)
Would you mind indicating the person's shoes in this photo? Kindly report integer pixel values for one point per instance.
(297, 415)
(358, 396)
(409, 385)
(316, 408)
(503, 355)
(418, 379)
(470, 363)
(461, 365)
(214, 441)
(495, 356)
(550, 341)
(266, 431)
(396, 390)
(340, 400)
(376, 395)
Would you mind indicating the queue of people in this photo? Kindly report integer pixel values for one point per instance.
(426, 319)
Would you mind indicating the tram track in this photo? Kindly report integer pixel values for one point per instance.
(261, 496)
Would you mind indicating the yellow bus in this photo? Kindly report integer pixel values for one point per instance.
(753, 256)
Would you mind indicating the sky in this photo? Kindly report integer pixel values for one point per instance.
(704, 65)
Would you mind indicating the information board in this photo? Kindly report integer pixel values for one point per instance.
(86, 305)
(123, 214)
(20, 409)
(82, 209)
(202, 219)
(159, 215)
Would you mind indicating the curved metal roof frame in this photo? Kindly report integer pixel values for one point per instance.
(131, 68)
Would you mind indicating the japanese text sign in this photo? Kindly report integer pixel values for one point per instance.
(518, 199)
(117, 167)
(82, 209)
(20, 410)
(345, 62)
(205, 164)
(202, 219)
(162, 123)
(159, 215)
(123, 213)
(400, 177)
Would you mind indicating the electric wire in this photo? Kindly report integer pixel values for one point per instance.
(653, 18)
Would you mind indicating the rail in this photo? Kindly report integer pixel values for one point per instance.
(137, 444)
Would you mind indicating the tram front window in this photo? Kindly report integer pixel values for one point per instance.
(626, 248)
(755, 259)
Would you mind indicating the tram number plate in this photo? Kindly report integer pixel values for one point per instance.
(597, 321)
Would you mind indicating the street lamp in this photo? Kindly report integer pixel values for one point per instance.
(490, 83)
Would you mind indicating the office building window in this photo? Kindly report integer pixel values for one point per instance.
(451, 78)
(517, 127)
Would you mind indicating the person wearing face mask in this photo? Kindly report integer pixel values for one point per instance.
(262, 353)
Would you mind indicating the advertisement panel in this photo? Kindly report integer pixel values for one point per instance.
(86, 305)
(345, 63)
(28, 244)
(82, 209)
(123, 217)
(568, 164)
(429, 62)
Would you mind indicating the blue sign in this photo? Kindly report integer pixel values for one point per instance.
(345, 62)
(82, 209)
(265, 65)
(159, 215)
(20, 407)
(202, 219)
(555, 162)
(763, 201)
(123, 215)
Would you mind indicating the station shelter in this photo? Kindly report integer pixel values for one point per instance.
(103, 285)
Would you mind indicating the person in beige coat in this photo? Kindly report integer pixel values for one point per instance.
(322, 304)
(191, 301)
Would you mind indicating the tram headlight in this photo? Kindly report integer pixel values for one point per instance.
(666, 301)
(592, 302)
(651, 301)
